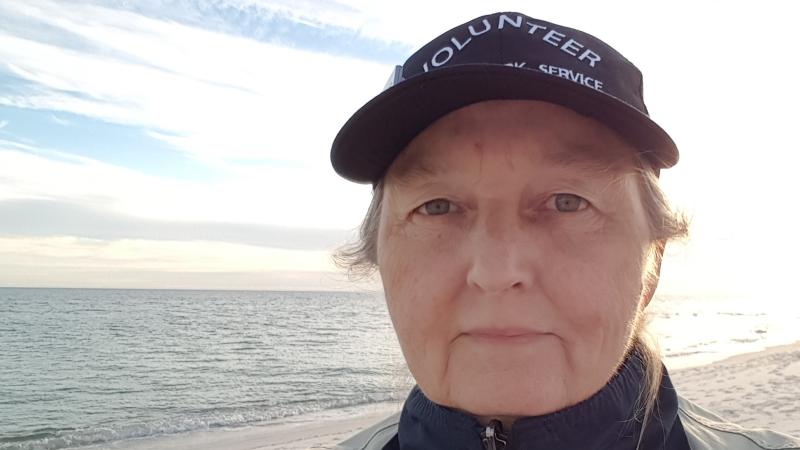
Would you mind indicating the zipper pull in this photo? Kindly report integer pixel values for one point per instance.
(493, 437)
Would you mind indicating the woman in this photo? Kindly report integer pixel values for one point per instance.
(518, 228)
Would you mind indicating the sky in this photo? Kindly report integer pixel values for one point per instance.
(185, 143)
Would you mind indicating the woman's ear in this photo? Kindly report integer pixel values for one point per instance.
(652, 271)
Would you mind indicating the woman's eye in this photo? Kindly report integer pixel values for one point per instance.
(436, 207)
(569, 202)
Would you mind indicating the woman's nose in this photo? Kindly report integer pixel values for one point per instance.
(499, 261)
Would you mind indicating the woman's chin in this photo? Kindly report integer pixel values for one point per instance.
(504, 393)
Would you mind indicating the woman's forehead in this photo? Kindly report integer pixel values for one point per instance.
(550, 135)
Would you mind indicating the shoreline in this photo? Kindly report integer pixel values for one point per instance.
(702, 359)
(319, 430)
(756, 389)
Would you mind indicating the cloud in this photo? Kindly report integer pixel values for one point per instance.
(43, 218)
(65, 261)
(257, 194)
(60, 121)
(223, 95)
(321, 26)
(216, 96)
(258, 88)
(144, 254)
(133, 278)
(3, 123)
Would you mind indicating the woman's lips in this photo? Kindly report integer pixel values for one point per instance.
(505, 335)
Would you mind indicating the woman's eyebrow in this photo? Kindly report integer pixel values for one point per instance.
(588, 158)
(416, 169)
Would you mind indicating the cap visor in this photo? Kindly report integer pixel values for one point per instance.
(368, 143)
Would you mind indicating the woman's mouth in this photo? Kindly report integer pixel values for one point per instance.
(505, 335)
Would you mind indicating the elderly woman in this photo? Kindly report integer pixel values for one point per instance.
(518, 228)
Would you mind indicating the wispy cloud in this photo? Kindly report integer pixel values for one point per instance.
(323, 26)
(47, 218)
(282, 196)
(257, 89)
(213, 95)
(258, 111)
(60, 121)
(78, 262)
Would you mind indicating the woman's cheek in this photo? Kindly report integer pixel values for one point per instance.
(420, 265)
(419, 293)
(414, 261)
(597, 295)
(431, 241)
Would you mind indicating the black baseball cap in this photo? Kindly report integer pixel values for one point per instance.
(502, 56)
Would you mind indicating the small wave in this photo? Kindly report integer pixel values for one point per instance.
(748, 314)
(702, 344)
(680, 354)
(53, 439)
(34, 435)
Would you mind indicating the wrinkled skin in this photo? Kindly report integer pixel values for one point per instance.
(511, 246)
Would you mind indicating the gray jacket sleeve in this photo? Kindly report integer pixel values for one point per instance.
(707, 431)
(375, 437)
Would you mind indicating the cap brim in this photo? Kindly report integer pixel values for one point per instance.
(368, 143)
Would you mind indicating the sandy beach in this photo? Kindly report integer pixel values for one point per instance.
(759, 389)
(755, 390)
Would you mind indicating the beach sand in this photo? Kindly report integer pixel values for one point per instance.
(755, 390)
(759, 390)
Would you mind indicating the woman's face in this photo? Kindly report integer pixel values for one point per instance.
(511, 246)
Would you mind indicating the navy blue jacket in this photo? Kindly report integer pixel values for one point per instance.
(603, 421)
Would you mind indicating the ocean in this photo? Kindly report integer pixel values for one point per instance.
(83, 367)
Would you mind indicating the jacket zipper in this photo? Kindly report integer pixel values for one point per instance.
(493, 437)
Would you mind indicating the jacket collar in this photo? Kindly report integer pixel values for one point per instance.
(603, 421)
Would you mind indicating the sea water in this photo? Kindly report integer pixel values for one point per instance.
(84, 366)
